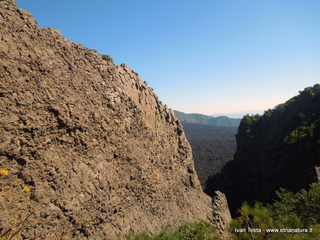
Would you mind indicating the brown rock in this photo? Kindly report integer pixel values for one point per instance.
(221, 214)
(318, 173)
(93, 142)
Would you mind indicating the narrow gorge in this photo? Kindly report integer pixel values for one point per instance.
(280, 149)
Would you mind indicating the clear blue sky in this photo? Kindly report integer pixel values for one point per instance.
(207, 56)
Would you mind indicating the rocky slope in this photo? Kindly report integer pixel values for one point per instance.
(279, 149)
(93, 143)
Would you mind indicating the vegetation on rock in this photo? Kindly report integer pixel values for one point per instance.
(107, 58)
(93, 50)
(188, 230)
(279, 149)
(291, 216)
(18, 211)
(104, 56)
(90, 142)
(89, 151)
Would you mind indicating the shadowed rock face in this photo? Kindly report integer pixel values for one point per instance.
(279, 149)
(92, 141)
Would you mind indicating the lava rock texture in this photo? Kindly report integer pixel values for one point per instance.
(94, 144)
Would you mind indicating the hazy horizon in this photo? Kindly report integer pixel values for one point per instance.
(239, 114)
(206, 56)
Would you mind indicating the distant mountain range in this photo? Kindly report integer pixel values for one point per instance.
(221, 121)
(238, 114)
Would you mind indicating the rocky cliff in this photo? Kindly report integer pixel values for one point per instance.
(92, 143)
(279, 149)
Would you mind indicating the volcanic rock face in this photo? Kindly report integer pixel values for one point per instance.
(94, 144)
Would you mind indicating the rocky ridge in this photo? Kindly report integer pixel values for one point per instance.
(279, 149)
(94, 144)
(221, 121)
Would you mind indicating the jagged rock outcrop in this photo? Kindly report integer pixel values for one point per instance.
(318, 173)
(92, 142)
(222, 214)
(279, 149)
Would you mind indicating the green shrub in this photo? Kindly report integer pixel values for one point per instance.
(39, 39)
(198, 230)
(257, 217)
(188, 230)
(290, 211)
(305, 204)
(280, 107)
(104, 56)
(107, 58)
(91, 49)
